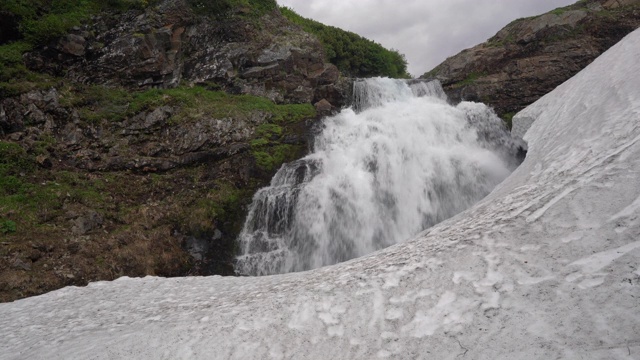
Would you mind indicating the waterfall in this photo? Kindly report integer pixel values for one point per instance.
(399, 161)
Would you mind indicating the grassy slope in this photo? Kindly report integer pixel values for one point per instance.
(350, 52)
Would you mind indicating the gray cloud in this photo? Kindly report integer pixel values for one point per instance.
(426, 31)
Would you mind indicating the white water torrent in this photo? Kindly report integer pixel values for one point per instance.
(403, 162)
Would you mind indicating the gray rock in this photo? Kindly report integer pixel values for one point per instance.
(21, 265)
(73, 45)
(323, 107)
(521, 123)
(145, 121)
(87, 222)
(34, 115)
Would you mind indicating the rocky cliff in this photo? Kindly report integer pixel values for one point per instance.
(530, 57)
(131, 144)
(168, 44)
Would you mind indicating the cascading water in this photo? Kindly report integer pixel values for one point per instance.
(403, 161)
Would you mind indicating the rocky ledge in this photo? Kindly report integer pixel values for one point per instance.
(531, 56)
(168, 44)
(143, 141)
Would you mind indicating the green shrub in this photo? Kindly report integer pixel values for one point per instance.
(11, 64)
(14, 160)
(350, 52)
(50, 26)
(558, 11)
(7, 226)
(10, 185)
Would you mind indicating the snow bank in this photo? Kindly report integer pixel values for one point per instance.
(546, 267)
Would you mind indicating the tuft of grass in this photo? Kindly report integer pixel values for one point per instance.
(558, 11)
(509, 39)
(508, 119)
(267, 150)
(269, 158)
(11, 64)
(217, 206)
(470, 79)
(7, 226)
(44, 20)
(14, 160)
(269, 131)
(32, 197)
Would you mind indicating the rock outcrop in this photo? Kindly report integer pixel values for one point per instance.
(140, 151)
(530, 57)
(167, 44)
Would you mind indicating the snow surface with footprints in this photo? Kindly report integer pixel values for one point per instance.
(547, 266)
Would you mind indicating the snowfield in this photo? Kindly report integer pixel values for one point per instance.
(546, 267)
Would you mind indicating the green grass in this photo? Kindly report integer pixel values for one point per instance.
(11, 64)
(508, 119)
(7, 226)
(558, 11)
(44, 20)
(220, 204)
(43, 144)
(14, 160)
(350, 52)
(269, 131)
(271, 158)
(31, 204)
(38, 23)
(96, 103)
(268, 150)
(470, 79)
(30, 196)
(219, 200)
(431, 73)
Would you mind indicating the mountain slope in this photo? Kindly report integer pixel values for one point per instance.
(133, 133)
(530, 57)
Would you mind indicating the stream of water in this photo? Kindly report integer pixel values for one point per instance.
(400, 160)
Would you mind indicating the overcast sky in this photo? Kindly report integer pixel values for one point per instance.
(426, 31)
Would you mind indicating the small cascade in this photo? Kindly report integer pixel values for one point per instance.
(399, 161)
(422, 88)
(368, 94)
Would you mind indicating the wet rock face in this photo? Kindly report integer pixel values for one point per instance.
(165, 45)
(162, 187)
(530, 57)
(145, 142)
